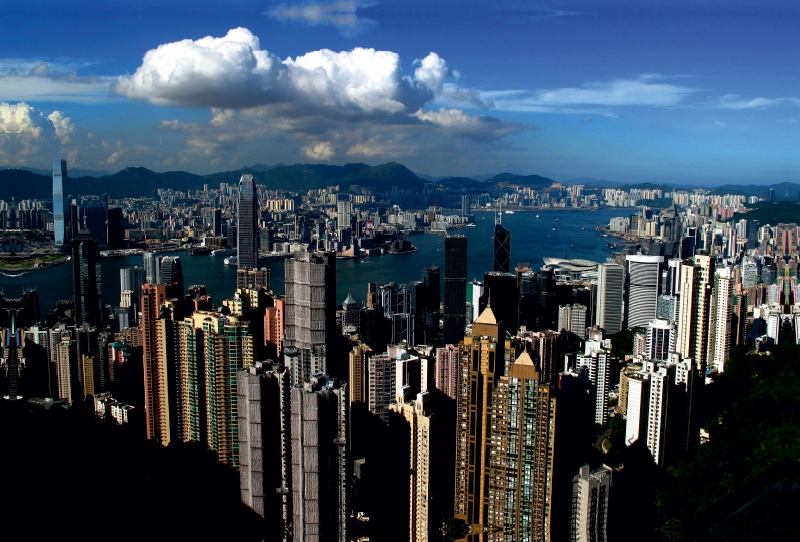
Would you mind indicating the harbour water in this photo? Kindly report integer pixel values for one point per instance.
(561, 234)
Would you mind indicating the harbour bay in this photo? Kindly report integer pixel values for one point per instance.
(561, 234)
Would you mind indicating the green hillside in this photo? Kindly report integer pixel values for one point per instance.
(772, 212)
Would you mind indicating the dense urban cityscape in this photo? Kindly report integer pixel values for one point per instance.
(501, 408)
(400, 270)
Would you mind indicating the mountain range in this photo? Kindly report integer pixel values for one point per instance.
(30, 183)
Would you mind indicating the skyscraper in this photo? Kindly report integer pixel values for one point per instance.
(310, 322)
(448, 370)
(86, 283)
(455, 288)
(502, 247)
(212, 348)
(521, 453)
(157, 361)
(661, 338)
(590, 499)
(172, 273)
(695, 308)
(59, 204)
(719, 340)
(500, 289)
(152, 267)
(216, 223)
(422, 424)
(11, 343)
(319, 466)
(610, 294)
(131, 280)
(643, 277)
(465, 205)
(247, 230)
(265, 454)
(483, 363)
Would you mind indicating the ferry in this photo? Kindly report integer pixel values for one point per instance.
(231, 260)
(223, 252)
(509, 212)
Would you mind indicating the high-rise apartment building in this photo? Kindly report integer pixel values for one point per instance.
(590, 499)
(213, 349)
(319, 466)
(422, 426)
(157, 354)
(598, 361)
(572, 320)
(483, 359)
(358, 371)
(610, 295)
(644, 273)
(310, 322)
(59, 204)
(695, 308)
(455, 288)
(265, 454)
(247, 227)
(382, 385)
(448, 370)
(521, 454)
(722, 305)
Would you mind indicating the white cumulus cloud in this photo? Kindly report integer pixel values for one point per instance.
(319, 151)
(235, 72)
(342, 14)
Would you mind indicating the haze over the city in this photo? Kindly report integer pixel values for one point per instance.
(672, 91)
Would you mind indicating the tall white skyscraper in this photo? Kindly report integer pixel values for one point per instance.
(610, 294)
(695, 308)
(247, 227)
(59, 219)
(644, 273)
(719, 337)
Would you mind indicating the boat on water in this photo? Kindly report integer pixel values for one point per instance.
(613, 245)
(509, 212)
(556, 220)
(223, 252)
(471, 226)
(199, 251)
(231, 260)
(537, 216)
(554, 229)
(14, 275)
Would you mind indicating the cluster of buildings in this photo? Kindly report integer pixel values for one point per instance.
(438, 399)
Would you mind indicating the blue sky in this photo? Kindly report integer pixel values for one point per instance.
(679, 91)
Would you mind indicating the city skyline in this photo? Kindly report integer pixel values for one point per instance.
(671, 92)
